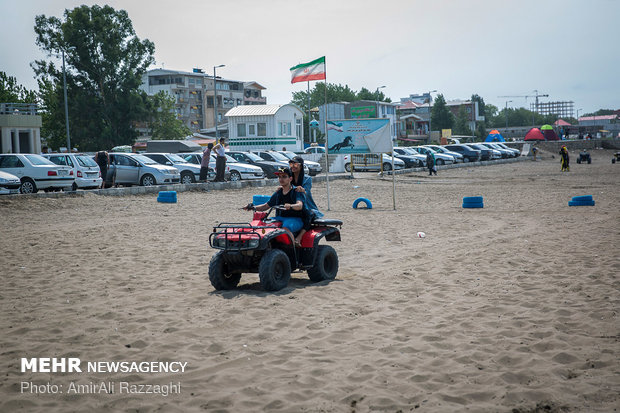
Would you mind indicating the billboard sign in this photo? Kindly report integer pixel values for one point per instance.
(363, 112)
(350, 136)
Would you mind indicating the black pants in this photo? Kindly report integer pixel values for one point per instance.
(220, 168)
(204, 173)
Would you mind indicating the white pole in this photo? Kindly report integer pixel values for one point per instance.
(326, 143)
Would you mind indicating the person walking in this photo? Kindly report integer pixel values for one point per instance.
(564, 159)
(220, 160)
(204, 163)
(103, 160)
(430, 163)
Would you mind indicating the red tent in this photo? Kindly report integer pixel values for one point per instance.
(534, 135)
(550, 135)
(561, 122)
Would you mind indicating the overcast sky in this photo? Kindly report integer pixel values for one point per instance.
(568, 49)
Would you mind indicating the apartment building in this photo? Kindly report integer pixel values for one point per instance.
(194, 94)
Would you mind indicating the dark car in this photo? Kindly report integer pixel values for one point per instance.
(409, 159)
(469, 154)
(486, 154)
(268, 167)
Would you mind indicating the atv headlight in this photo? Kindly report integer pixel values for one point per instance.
(253, 243)
(220, 242)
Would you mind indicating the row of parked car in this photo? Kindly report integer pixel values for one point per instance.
(28, 173)
(415, 156)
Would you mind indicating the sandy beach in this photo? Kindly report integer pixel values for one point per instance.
(509, 308)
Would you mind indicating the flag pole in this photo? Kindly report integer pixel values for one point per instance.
(309, 131)
(326, 142)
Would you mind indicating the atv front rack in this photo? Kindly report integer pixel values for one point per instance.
(237, 236)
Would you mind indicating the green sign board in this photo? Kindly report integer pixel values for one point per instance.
(363, 112)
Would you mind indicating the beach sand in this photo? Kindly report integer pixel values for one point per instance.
(509, 308)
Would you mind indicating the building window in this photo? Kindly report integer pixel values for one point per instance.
(285, 128)
(261, 129)
(252, 129)
(298, 127)
(241, 130)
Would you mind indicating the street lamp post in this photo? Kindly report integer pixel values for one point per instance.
(506, 112)
(64, 81)
(217, 132)
(430, 115)
(377, 100)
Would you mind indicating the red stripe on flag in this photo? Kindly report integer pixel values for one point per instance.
(318, 76)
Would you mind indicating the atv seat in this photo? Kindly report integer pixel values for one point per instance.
(324, 221)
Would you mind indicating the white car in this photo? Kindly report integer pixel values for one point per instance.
(314, 168)
(440, 158)
(85, 170)
(35, 172)
(9, 184)
(372, 162)
(315, 149)
(277, 157)
(457, 156)
(239, 170)
(190, 173)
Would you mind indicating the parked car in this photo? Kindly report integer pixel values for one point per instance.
(469, 154)
(35, 172)
(268, 167)
(504, 153)
(516, 152)
(372, 162)
(135, 169)
(274, 156)
(315, 149)
(9, 183)
(486, 154)
(411, 160)
(457, 156)
(440, 158)
(85, 170)
(315, 168)
(410, 151)
(190, 173)
(236, 170)
(195, 158)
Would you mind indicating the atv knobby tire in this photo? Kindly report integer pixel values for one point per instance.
(274, 270)
(220, 277)
(325, 266)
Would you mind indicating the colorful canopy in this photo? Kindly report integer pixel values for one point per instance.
(561, 122)
(546, 127)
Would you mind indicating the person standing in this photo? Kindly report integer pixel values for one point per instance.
(103, 160)
(430, 163)
(220, 160)
(565, 159)
(204, 163)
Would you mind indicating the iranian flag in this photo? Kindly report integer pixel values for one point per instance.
(314, 70)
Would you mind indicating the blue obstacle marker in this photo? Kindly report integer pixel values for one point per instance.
(260, 199)
(582, 200)
(167, 197)
(364, 200)
(473, 202)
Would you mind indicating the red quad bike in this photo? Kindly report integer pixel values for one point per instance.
(264, 247)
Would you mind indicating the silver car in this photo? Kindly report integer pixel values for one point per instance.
(190, 172)
(440, 158)
(9, 184)
(314, 168)
(134, 169)
(457, 156)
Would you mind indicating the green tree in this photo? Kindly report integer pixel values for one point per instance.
(162, 118)
(105, 62)
(335, 93)
(441, 117)
(12, 92)
(461, 125)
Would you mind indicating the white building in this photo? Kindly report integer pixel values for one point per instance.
(265, 127)
(20, 124)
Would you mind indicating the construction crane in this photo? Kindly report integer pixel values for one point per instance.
(537, 95)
